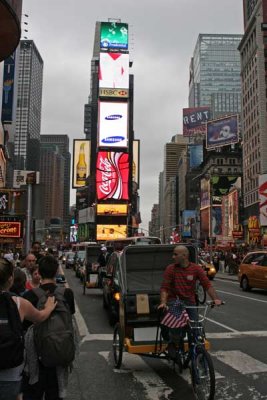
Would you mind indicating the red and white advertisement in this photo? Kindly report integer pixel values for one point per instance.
(263, 199)
(112, 175)
(10, 229)
(114, 70)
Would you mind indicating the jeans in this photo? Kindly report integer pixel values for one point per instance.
(9, 390)
(46, 386)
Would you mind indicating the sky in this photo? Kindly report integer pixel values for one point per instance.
(163, 36)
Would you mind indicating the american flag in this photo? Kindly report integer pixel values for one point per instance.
(176, 316)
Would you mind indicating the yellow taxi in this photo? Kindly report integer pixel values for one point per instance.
(252, 272)
(208, 267)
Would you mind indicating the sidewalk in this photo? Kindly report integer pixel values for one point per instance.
(226, 276)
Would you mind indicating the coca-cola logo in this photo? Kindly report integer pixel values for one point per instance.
(106, 174)
(113, 117)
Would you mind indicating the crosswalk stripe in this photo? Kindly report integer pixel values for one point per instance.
(154, 386)
(240, 361)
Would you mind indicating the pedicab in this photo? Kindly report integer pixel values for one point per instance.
(140, 274)
(92, 271)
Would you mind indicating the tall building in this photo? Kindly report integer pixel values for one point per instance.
(29, 103)
(172, 153)
(62, 143)
(215, 73)
(253, 51)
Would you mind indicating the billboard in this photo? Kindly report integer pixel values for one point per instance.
(112, 209)
(204, 223)
(113, 124)
(216, 224)
(109, 232)
(136, 160)
(263, 199)
(10, 229)
(114, 71)
(8, 89)
(114, 36)
(112, 175)
(189, 219)
(122, 93)
(222, 132)
(81, 162)
(204, 193)
(20, 178)
(196, 155)
(194, 121)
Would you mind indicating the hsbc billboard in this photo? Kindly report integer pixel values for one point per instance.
(112, 175)
(113, 124)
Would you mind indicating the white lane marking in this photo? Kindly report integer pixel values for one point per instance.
(241, 362)
(242, 297)
(154, 386)
(222, 325)
(232, 335)
(82, 327)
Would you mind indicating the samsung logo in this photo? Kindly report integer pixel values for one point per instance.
(114, 116)
(113, 139)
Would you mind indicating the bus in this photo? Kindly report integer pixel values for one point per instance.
(119, 244)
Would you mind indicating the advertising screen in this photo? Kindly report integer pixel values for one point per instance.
(81, 162)
(263, 199)
(222, 132)
(108, 232)
(204, 193)
(113, 124)
(204, 222)
(194, 121)
(136, 158)
(112, 175)
(8, 89)
(73, 233)
(189, 219)
(114, 71)
(10, 229)
(112, 209)
(114, 36)
(196, 155)
(216, 221)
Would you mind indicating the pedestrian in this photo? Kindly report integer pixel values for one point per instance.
(35, 278)
(37, 251)
(43, 376)
(102, 261)
(13, 310)
(179, 282)
(27, 264)
(19, 282)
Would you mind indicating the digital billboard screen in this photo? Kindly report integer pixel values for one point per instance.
(10, 229)
(108, 232)
(194, 121)
(113, 124)
(204, 193)
(189, 219)
(263, 199)
(112, 175)
(222, 132)
(114, 36)
(8, 89)
(81, 162)
(114, 71)
(111, 209)
(196, 155)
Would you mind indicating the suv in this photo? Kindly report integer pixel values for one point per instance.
(252, 271)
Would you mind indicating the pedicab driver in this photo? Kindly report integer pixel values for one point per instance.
(179, 281)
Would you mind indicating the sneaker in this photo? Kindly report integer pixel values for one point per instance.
(171, 351)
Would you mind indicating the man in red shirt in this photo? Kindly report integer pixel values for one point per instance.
(179, 280)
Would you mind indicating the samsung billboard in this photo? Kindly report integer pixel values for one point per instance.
(113, 124)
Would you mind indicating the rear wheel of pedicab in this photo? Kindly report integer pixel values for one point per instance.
(203, 375)
(117, 346)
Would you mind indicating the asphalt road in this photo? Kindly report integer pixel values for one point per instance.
(238, 336)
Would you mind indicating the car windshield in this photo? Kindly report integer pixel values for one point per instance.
(81, 254)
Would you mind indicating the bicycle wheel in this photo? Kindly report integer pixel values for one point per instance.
(203, 375)
(117, 346)
(200, 294)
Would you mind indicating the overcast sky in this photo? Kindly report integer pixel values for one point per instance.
(163, 35)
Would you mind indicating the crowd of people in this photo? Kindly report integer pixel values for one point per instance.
(31, 366)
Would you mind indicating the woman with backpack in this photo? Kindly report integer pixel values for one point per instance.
(13, 310)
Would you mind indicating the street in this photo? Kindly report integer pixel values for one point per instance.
(237, 332)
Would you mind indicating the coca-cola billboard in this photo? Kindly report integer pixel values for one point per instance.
(112, 175)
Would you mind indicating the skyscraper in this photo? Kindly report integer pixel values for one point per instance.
(253, 50)
(29, 103)
(215, 74)
(62, 143)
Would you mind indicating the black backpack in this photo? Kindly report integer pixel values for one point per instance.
(54, 337)
(11, 333)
